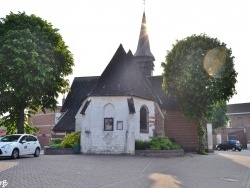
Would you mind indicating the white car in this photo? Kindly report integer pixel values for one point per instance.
(16, 145)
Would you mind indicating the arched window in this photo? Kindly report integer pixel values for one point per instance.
(144, 119)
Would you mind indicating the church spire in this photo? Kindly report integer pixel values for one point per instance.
(143, 54)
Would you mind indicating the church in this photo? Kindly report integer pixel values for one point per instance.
(126, 103)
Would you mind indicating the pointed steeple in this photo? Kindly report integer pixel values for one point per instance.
(143, 48)
(143, 54)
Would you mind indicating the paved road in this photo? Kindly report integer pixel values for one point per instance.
(221, 169)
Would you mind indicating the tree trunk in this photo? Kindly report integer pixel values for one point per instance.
(201, 139)
(20, 120)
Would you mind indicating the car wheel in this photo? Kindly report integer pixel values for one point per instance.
(37, 152)
(218, 148)
(15, 154)
(233, 149)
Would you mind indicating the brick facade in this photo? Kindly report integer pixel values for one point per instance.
(181, 129)
(239, 120)
(159, 122)
(45, 123)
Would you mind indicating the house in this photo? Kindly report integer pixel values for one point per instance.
(124, 104)
(45, 122)
(238, 127)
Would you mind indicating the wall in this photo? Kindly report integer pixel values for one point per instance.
(239, 120)
(45, 123)
(95, 140)
(159, 122)
(181, 129)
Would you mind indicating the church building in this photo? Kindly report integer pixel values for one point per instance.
(126, 103)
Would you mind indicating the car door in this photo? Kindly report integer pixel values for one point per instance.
(224, 145)
(32, 144)
(23, 145)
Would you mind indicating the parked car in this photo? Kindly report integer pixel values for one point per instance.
(16, 145)
(230, 144)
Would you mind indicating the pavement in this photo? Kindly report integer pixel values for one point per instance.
(217, 170)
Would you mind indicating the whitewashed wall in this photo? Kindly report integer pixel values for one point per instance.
(93, 137)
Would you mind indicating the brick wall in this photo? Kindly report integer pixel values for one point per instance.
(248, 133)
(159, 122)
(239, 120)
(45, 123)
(181, 129)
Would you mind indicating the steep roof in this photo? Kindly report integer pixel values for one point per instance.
(143, 47)
(80, 87)
(122, 77)
(167, 102)
(241, 108)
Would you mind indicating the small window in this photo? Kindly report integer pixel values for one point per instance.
(144, 119)
(239, 121)
(108, 124)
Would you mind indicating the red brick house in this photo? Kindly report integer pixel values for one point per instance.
(239, 124)
(45, 123)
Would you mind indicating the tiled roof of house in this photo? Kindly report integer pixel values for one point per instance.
(80, 87)
(240, 108)
(122, 77)
(168, 103)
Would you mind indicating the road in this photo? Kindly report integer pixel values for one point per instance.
(220, 169)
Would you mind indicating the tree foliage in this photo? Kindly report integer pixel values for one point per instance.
(218, 117)
(198, 73)
(10, 123)
(34, 62)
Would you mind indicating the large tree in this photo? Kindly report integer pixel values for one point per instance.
(34, 61)
(198, 73)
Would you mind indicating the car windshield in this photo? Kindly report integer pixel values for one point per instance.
(10, 138)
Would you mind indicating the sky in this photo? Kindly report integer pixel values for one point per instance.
(93, 29)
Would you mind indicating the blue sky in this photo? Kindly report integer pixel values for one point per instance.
(93, 29)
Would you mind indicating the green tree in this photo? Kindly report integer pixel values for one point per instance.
(34, 61)
(10, 123)
(198, 73)
(218, 117)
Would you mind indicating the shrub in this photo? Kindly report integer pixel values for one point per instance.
(142, 145)
(56, 143)
(157, 143)
(71, 139)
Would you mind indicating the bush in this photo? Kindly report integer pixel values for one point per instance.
(56, 143)
(70, 140)
(157, 143)
(142, 145)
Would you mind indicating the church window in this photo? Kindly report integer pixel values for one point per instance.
(144, 119)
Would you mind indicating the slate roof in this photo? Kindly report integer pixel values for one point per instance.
(122, 77)
(80, 87)
(143, 47)
(167, 102)
(240, 108)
